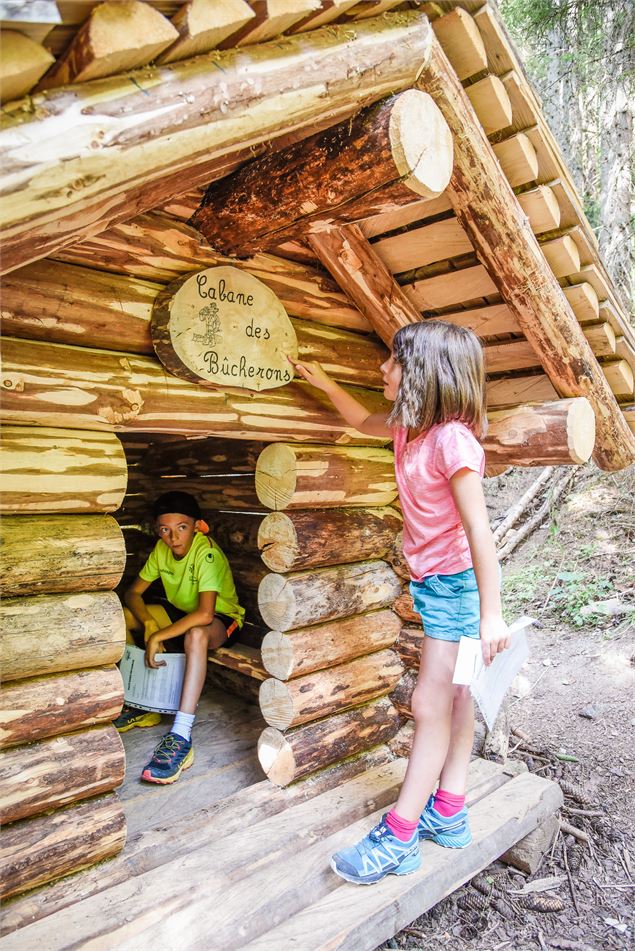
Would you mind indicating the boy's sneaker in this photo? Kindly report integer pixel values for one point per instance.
(379, 854)
(130, 718)
(170, 758)
(453, 832)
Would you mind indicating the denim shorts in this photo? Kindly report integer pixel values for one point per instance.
(449, 605)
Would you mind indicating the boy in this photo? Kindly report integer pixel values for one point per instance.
(201, 614)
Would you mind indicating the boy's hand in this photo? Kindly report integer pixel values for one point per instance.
(153, 646)
(313, 374)
(495, 637)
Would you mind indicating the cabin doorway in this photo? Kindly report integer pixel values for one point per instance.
(220, 474)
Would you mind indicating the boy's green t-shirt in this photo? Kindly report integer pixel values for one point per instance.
(204, 568)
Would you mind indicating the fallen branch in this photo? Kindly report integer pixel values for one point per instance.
(575, 832)
(515, 512)
(513, 539)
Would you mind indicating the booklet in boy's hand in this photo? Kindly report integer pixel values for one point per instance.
(148, 689)
(489, 685)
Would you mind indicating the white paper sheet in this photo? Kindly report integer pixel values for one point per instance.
(489, 685)
(157, 690)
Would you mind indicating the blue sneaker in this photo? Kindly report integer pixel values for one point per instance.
(170, 758)
(453, 832)
(379, 854)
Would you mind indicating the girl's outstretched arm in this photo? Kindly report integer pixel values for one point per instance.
(356, 415)
(467, 490)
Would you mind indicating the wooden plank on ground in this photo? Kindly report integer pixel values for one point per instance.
(221, 816)
(360, 920)
(197, 886)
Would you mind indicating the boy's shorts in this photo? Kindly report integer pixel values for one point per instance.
(176, 645)
(449, 605)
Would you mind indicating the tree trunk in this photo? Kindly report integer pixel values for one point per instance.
(300, 477)
(293, 541)
(402, 142)
(142, 137)
(59, 632)
(58, 771)
(481, 195)
(303, 651)
(308, 597)
(544, 434)
(76, 553)
(58, 470)
(287, 757)
(36, 851)
(100, 389)
(325, 692)
(49, 706)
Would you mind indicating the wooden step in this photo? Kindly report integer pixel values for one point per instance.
(213, 873)
(359, 919)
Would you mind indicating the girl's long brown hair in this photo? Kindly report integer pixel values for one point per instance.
(443, 377)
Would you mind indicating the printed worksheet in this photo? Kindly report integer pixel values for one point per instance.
(157, 690)
(489, 685)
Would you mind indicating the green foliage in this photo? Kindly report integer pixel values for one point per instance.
(540, 587)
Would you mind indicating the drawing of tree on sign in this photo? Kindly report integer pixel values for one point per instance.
(213, 326)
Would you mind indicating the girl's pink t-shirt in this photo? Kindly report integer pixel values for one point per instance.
(434, 541)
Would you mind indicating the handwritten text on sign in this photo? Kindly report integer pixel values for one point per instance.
(225, 327)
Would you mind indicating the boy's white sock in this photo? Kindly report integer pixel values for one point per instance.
(183, 723)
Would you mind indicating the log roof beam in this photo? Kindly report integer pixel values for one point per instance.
(485, 205)
(64, 179)
(382, 158)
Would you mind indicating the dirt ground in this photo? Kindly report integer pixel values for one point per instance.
(574, 707)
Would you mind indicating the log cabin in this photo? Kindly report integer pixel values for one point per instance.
(351, 167)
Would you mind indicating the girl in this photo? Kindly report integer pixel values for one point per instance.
(436, 379)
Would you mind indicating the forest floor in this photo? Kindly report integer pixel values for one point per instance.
(573, 704)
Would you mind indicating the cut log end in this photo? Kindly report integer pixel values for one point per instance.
(276, 757)
(276, 601)
(276, 476)
(421, 144)
(278, 542)
(581, 430)
(277, 655)
(276, 703)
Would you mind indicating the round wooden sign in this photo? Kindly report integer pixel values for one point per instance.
(225, 327)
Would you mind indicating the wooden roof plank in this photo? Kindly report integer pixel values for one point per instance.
(330, 10)
(22, 64)
(204, 24)
(456, 286)
(491, 104)
(272, 18)
(459, 36)
(518, 159)
(117, 37)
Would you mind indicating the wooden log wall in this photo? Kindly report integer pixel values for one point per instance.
(327, 606)
(61, 633)
(315, 652)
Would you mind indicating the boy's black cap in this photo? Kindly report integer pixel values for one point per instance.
(176, 503)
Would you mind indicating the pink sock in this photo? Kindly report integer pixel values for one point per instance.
(401, 828)
(447, 803)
